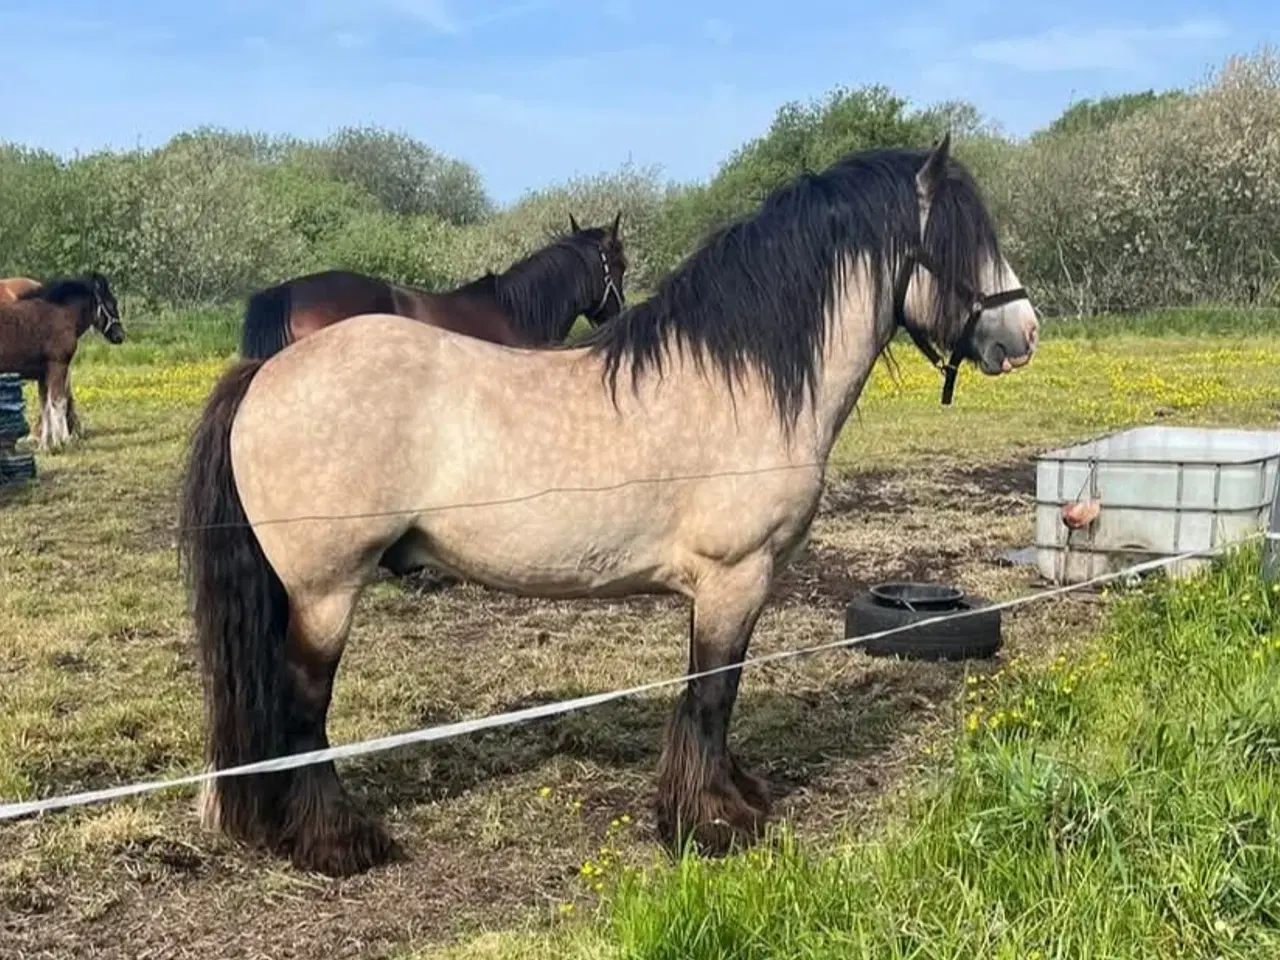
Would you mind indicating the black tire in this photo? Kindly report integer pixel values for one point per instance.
(13, 421)
(13, 425)
(976, 636)
(17, 468)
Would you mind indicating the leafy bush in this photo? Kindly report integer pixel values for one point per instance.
(406, 176)
(1128, 202)
(409, 250)
(542, 214)
(1087, 115)
(1177, 203)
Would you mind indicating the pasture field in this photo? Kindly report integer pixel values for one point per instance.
(526, 828)
(1124, 802)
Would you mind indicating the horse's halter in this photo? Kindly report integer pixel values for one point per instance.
(105, 320)
(610, 289)
(979, 302)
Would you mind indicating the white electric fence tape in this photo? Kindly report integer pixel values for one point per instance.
(448, 730)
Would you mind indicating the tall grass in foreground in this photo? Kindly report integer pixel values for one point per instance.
(1122, 804)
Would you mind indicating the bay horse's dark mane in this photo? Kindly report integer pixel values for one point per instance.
(61, 290)
(757, 292)
(533, 290)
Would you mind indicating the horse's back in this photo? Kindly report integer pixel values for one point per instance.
(13, 288)
(384, 368)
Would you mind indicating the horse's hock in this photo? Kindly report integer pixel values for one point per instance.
(15, 467)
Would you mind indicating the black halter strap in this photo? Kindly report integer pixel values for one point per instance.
(105, 318)
(964, 345)
(610, 290)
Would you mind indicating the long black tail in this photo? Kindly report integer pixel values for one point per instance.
(241, 614)
(266, 323)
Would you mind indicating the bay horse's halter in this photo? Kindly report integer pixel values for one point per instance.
(610, 289)
(978, 302)
(105, 319)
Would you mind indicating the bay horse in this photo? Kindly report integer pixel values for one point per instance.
(13, 287)
(39, 333)
(536, 473)
(533, 303)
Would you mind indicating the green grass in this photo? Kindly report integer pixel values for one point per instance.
(1124, 803)
(164, 336)
(1207, 321)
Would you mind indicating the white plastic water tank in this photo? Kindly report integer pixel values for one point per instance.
(1162, 491)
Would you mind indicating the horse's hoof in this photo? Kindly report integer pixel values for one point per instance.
(357, 846)
(719, 820)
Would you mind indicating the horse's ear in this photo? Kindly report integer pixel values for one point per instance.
(934, 170)
(617, 222)
(573, 224)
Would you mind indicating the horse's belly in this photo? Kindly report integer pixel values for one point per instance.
(578, 559)
(28, 366)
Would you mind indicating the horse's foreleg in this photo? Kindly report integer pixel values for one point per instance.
(53, 428)
(702, 792)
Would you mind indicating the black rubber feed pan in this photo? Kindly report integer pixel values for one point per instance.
(917, 596)
(887, 606)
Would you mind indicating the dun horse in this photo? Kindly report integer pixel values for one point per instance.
(39, 333)
(701, 479)
(533, 303)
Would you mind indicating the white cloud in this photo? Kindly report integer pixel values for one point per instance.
(1098, 48)
(718, 31)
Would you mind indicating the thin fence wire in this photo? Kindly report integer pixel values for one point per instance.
(840, 463)
(534, 495)
(13, 810)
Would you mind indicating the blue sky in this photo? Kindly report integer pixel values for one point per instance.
(534, 91)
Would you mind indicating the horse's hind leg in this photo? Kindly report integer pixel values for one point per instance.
(322, 829)
(37, 428)
(73, 418)
(702, 792)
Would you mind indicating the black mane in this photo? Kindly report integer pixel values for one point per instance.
(544, 288)
(61, 290)
(757, 292)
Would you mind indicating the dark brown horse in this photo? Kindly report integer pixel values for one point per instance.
(533, 303)
(39, 333)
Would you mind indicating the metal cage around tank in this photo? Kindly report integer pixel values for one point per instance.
(1162, 491)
